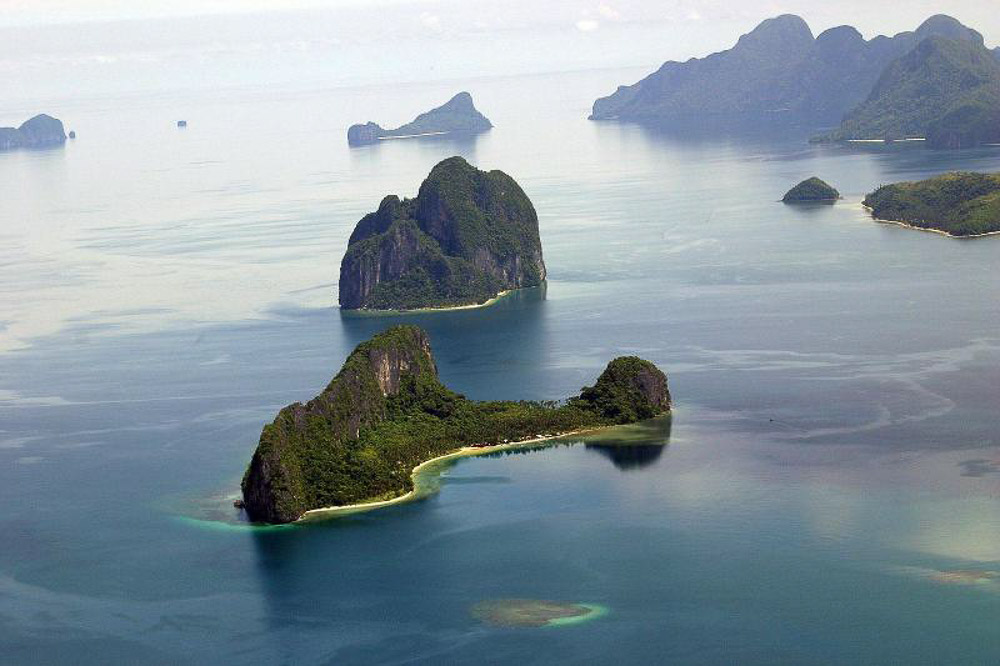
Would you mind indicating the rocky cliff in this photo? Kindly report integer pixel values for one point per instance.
(467, 236)
(39, 132)
(307, 442)
(386, 411)
(457, 115)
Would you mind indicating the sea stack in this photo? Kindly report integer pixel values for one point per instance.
(468, 236)
(811, 190)
(42, 131)
(387, 411)
(457, 116)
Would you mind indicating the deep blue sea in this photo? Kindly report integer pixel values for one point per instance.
(827, 492)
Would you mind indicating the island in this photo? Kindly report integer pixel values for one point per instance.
(946, 92)
(386, 412)
(776, 75)
(467, 237)
(534, 612)
(456, 116)
(956, 204)
(811, 190)
(42, 131)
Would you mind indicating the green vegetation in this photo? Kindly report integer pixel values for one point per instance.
(467, 236)
(959, 204)
(811, 190)
(968, 125)
(943, 90)
(386, 412)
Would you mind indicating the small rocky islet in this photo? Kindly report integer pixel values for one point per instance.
(41, 131)
(812, 190)
(456, 116)
(387, 411)
(467, 237)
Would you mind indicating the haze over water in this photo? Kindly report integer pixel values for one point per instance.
(830, 492)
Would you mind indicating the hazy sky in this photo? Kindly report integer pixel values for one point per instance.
(870, 16)
(60, 50)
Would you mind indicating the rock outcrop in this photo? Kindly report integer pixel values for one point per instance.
(386, 411)
(457, 116)
(812, 190)
(42, 131)
(466, 237)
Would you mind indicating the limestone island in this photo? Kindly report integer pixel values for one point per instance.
(955, 204)
(386, 412)
(42, 131)
(467, 237)
(457, 116)
(811, 190)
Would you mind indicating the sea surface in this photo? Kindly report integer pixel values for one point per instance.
(826, 492)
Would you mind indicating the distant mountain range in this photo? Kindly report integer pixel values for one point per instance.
(780, 73)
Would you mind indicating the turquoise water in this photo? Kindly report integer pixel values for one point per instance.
(834, 450)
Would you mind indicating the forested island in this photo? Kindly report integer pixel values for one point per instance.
(812, 190)
(467, 237)
(456, 116)
(41, 131)
(386, 412)
(946, 91)
(956, 204)
(938, 82)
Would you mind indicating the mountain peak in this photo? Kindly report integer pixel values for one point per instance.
(942, 25)
(784, 29)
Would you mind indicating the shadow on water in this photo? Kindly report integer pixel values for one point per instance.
(633, 447)
(488, 339)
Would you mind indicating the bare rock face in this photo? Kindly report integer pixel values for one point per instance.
(630, 389)
(42, 131)
(284, 478)
(466, 237)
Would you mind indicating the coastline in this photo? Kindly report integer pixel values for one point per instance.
(940, 232)
(463, 452)
(442, 308)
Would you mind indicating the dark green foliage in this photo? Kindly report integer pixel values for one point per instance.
(629, 390)
(961, 204)
(971, 124)
(386, 411)
(942, 86)
(811, 190)
(467, 236)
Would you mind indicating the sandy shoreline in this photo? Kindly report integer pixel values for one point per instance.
(940, 232)
(465, 451)
(443, 308)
